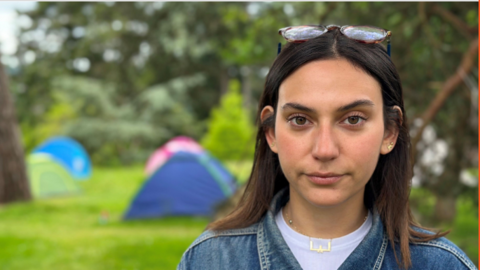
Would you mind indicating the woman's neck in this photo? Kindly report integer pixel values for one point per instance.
(322, 221)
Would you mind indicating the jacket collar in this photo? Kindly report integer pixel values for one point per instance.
(274, 252)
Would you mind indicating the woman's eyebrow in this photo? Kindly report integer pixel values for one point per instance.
(356, 103)
(298, 107)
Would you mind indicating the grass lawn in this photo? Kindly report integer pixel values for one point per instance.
(66, 233)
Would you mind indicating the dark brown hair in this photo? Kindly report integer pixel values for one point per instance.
(389, 187)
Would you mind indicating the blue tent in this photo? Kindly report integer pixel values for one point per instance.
(187, 184)
(70, 154)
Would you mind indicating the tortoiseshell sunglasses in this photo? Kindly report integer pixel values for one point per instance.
(360, 33)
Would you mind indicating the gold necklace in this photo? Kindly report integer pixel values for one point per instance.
(320, 249)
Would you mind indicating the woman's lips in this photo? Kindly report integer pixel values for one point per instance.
(324, 179)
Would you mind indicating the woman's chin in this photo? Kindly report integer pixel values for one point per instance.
(329, 199)
(325, 203)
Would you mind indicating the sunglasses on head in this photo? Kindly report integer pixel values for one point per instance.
(359, 33)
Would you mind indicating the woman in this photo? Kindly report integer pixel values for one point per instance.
(331, 176)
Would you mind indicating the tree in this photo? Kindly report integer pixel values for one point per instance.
(230, 134)
(449, 113)
(125, 133)
(14, 185)
(134, 46)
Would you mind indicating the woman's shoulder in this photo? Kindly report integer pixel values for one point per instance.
(439, 251)
(224, 235)
(215, 249)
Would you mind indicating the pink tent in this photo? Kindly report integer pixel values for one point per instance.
(162, 154)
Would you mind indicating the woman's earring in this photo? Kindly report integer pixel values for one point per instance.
(390, 146)
(273, 144)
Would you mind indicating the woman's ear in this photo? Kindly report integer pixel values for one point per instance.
(391, 134)
(267, 112)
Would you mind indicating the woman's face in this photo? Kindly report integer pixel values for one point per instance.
(329, 132)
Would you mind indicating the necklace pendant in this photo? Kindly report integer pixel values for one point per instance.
(320, 249)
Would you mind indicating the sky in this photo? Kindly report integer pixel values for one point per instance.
(9, 24)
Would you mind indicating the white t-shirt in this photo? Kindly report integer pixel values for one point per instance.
(341, 247)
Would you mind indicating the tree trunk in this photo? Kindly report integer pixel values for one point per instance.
(14, 184)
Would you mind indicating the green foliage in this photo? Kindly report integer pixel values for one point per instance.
(472, 17)
(473, 171)
(464, 228)
(240, 168)
(116, 132)
(51, 125)
(230, 133)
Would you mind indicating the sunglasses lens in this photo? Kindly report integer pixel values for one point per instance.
(303, 33)
(366, 34)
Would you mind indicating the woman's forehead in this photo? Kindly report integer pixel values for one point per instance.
(329, 82)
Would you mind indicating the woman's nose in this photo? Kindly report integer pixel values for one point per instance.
(325, 145)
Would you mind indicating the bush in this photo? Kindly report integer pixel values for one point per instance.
(230, 133)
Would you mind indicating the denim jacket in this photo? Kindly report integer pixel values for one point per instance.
(261, 246)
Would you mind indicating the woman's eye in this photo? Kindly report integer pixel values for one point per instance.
(354, 120)
(299, 120)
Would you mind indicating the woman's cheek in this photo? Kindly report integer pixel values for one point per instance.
(365, 150)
